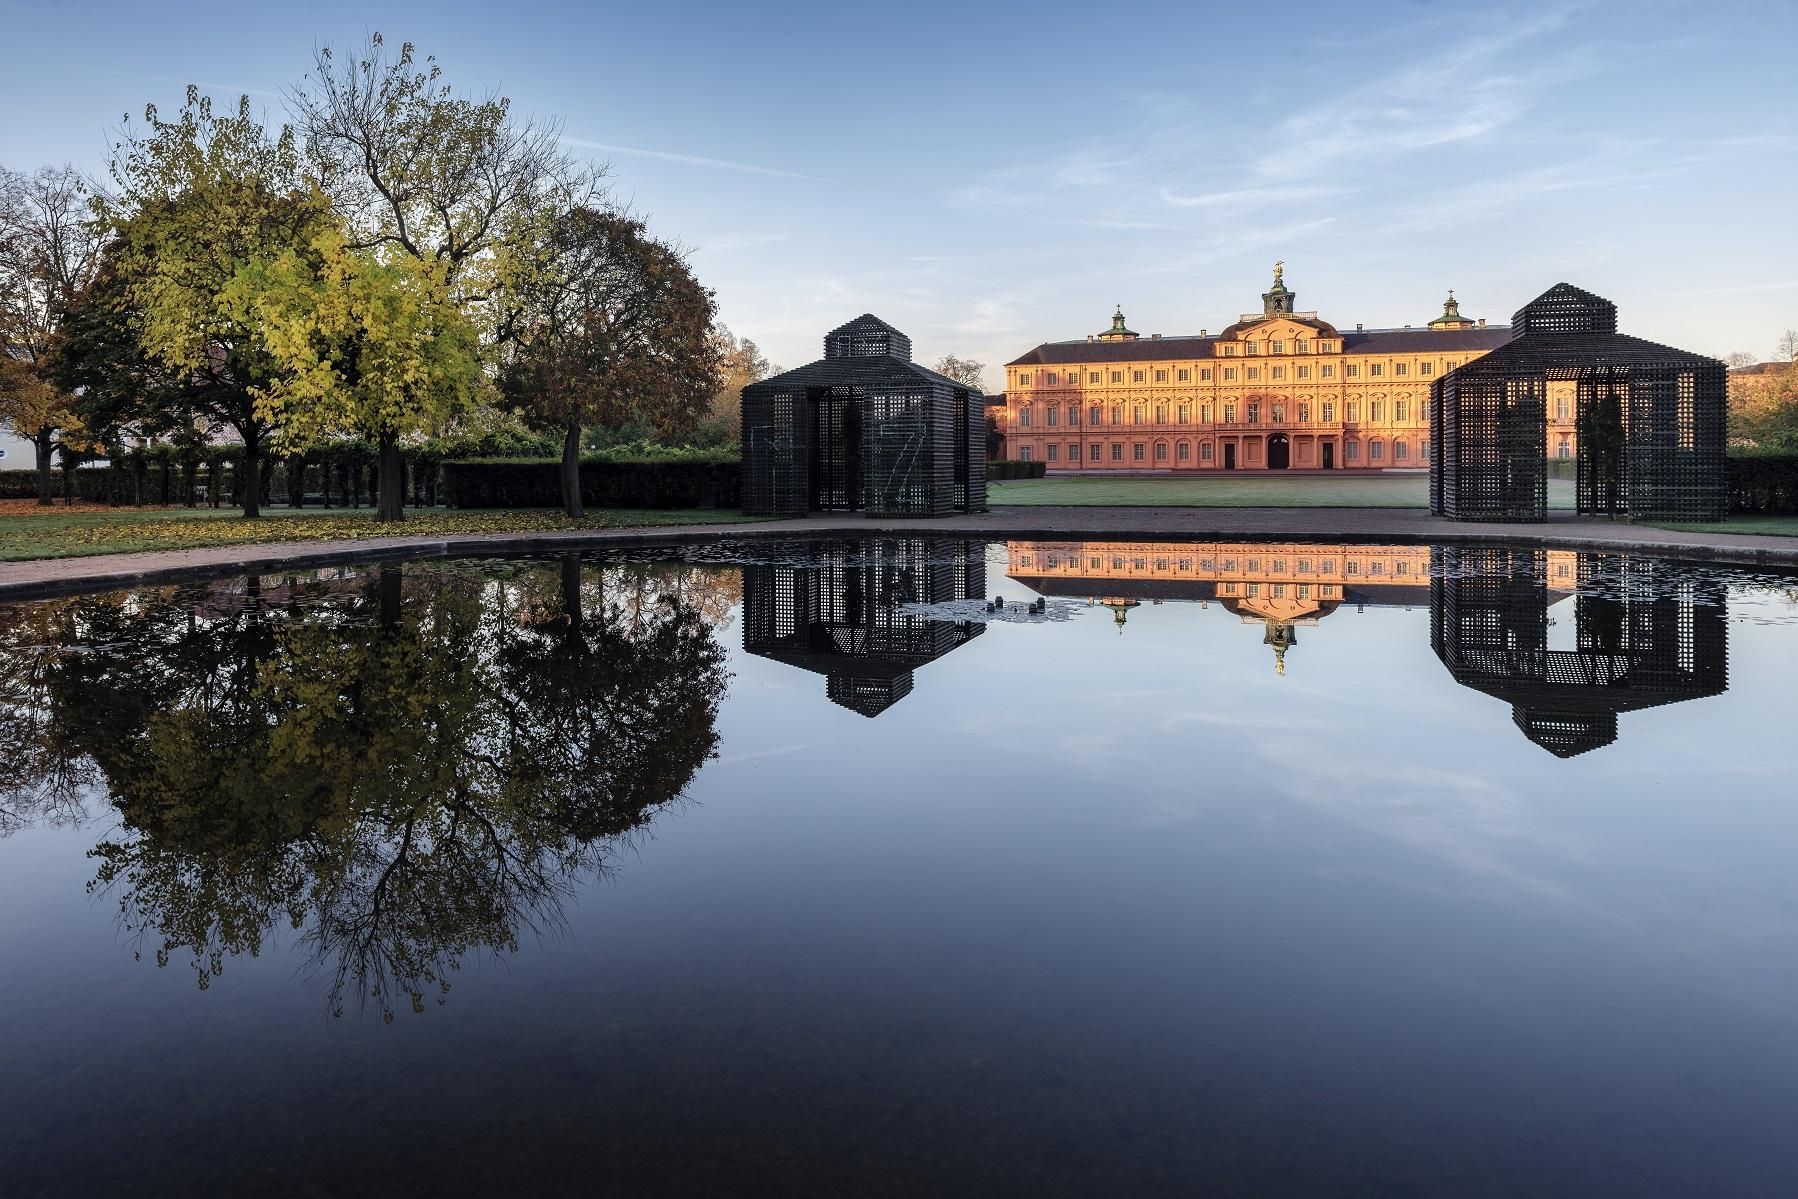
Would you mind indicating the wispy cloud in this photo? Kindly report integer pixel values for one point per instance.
(691, 160)
(237, 89)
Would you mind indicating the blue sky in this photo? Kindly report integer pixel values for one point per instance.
(988, 177)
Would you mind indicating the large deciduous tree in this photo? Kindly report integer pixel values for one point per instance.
(740, 363)
(969, 373)
(607, 325)
(49, 251)
(204, 200)
(419, 172)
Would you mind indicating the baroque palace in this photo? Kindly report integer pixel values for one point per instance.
(1277, 389)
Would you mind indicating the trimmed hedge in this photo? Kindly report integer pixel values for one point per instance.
(90, 484)
(689, 481)
(1763, 483)
(1010, 468)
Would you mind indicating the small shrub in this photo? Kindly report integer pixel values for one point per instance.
(999, 469)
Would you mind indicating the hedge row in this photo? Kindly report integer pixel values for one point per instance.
(1010, 468)
(708, 481)
(1764, 483)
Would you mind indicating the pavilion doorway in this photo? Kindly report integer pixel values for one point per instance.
(1229, 455)
(1329, 455)
(1279, 452)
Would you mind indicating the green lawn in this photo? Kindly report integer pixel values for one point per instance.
(1763, 526)
(28, 534)
(1235, 490)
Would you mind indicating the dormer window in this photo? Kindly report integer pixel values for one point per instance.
(1279, 348)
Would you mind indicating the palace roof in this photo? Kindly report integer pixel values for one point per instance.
(1165, 349)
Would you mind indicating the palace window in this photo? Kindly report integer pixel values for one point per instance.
(1183, 376)
(1451, 364)
(1054, 415)
(1399, 450)
(1182, 451)
(1564, 448)
(1304, 414)
(1136, 376)
(1398, 368)
(1375, 567)
(1279, 372)
(1023, 418)
(1053, 450)
(1204, 374)
(1184, 413)
(1374, 410)
(1092, 377)
(1304, 591)
(1352, 412)
(1426, 368)
(1229, 374)
(1351, 567)
(1374, 369)
(1253, 589)
(1024, 380)
(1204, 451)
(1136, 452)
(1161, 376)
(1023, 453)
(1400, 568)
(1254, 414)
(1351, 370)
(1279, 590)
(1303, 346)
(1375, 451)
(1117, 414)
(1423, 450)
(1351, 450)
(1304, 372)
(1229, 414)
(1304, 566)
(1254, 347)
(1229, 351)
(1136, 414)
(1205, 414)
(1401, 410)
(1161, 414)
(1117, 376)
(1279, 414)
(1073, 415)
(1161, 451)
(1329, 411)
(1051, 378)
(1093, 451)
(1092, 415)
(1279, 347)
(1117, 451)
(1328, 371)
(1254, 372)
(1561, 408)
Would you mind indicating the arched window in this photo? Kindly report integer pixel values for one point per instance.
(1161, 451)
(1204, 451)
(1024, 417)
(1182, 451)
(1375, 451)
(1400, 451)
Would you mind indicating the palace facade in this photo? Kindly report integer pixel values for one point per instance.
(1276, 389)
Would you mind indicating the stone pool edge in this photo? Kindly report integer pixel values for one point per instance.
(46, 577)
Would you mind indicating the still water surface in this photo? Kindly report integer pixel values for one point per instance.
(799, 870)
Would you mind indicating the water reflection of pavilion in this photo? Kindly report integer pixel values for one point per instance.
(1645, 633)
(838, 613)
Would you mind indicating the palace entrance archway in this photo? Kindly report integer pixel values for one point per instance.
(1279, 452)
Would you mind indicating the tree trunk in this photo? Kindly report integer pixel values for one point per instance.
(392, 584)
(252, 479)
(571, 472)
(571, 596)
(390, 498)
(44, 443)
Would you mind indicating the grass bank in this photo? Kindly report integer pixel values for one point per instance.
(31, 533)
(1234, 490)
(1758, 526)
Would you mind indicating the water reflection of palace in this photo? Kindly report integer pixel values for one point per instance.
(837, 610)
(1280, 586)
(1642, 632)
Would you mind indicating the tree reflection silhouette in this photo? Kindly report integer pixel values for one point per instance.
(405, 767)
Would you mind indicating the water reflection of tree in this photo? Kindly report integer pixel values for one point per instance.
(405, 767)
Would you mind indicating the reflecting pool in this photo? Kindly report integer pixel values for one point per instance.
(906, 867)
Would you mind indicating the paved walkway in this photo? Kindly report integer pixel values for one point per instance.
(1399, 525)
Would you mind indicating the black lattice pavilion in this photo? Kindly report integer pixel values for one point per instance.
(863, 429)
(1650, 421)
